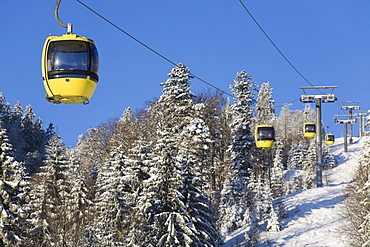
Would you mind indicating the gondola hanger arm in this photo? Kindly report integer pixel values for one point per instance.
(69, 25)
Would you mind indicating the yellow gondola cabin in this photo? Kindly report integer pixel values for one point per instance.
(329, 139)
(309, 130)
(264, 136)
(70, 67)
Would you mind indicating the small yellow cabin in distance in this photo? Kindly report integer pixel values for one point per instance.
(329, 139)
(309, 130)
(264, 136)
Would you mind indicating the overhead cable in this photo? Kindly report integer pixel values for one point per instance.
(157, 53)
(272, 42)
(149, 48)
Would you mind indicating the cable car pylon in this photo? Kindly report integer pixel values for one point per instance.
(305, 98)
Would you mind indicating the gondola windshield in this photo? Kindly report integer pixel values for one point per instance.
(266, 133)
(310, 128)
(330, 138)
(72, 58)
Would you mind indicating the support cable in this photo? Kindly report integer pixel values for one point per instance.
(277, 48)
(165, 58)
(272, 42)
(149, 48)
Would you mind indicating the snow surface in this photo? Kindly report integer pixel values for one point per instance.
(313, 216)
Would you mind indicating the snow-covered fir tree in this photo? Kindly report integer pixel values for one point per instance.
(175, 108)
(309, 166)
(110, 204)
(328, 159)
(176, 172)
(14, 127)
(126, 131)
(273, 224)
(193, 156)
(212, 113)
(277, 173)
(12, 225)
(364, 228)
(220, 154)
(5, 110)
(137, 167)
(261, 201)
(235, 195)
(294, 175)
(32, 131)
(357, 203)
(168, 222)
(26, 135)
(265, 106)
(50, 197)
(79, 204)
(260, 206)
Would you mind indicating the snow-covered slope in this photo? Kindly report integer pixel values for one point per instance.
(313, 216)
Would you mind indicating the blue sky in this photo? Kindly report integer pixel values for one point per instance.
(327, 41)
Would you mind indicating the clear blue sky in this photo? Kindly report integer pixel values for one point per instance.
(327, 41)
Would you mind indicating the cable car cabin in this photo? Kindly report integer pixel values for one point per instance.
(264, 136)
(329, 139)
(309, 130)
(69, 69)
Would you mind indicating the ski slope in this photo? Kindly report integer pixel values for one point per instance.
(313, 216)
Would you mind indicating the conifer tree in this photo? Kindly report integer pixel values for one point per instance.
(15, 132)
(137, 174)
(364, 228)
(50, 215)
(12, 230)
(29, 128)
(174, 182)
(79, 204)
(243, 142)
(328, 159)
(171, 217)
(222, 156)
(277, 173)
(294, 169)
(357, 207)
(273, 224)
(309, 166)
(109, 225)
(219, 132)
(235, 195)
(175, 107)
(34, 137)
(192, 156)
(5, 111)
(265, 105)
(126, 131)
(168, 222)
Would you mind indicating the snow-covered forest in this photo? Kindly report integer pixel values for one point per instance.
(184, 171)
